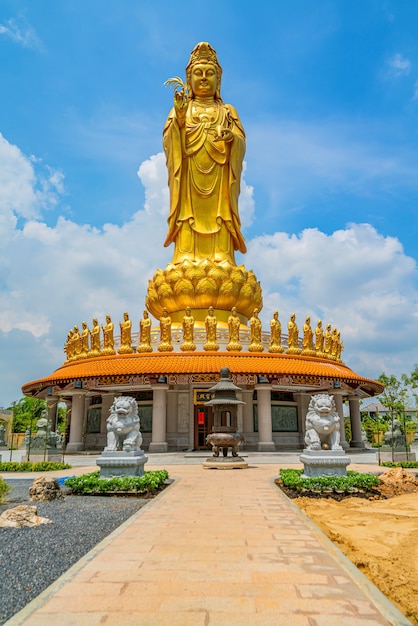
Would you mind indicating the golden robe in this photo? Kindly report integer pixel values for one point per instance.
(204, 178)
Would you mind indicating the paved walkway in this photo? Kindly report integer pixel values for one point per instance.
(215, 548)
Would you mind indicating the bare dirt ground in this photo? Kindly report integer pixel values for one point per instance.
(380, 536)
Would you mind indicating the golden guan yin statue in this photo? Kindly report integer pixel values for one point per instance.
(204, 144)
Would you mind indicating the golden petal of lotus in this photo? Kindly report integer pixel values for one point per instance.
(195, 273)
(218, 273)
(228, 287)
(173, 276)
(206, 285)
(183, 286)
(165, 291)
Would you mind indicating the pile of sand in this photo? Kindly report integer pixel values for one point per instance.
(380, 536)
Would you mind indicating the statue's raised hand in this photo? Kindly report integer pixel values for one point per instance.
(180, 96)
(180, 104)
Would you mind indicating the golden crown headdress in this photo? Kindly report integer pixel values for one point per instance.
(203, 53)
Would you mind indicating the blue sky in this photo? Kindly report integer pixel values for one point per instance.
(328, 95)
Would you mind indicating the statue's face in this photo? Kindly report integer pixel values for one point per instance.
(204, 80)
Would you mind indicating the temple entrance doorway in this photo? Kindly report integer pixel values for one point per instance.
(203, 419)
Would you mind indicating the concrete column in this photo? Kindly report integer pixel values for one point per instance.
(355, 420)
(247, 411)
(339, 404)
(303, 400)
(240, 415)
(52, 409)
(159, 419)
(107, 401)
(75, 443)
(173, 420)
(265, 432)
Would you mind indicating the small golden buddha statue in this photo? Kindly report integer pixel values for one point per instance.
(293, 336)
(211, 325)
(334, 344)
(319, 339)
(108, 338)
(340, 348)
(125, 335)
(76, 342)
(69, 345)
(255, 333)
(145, 334)
(275, 334)
(165, 333)
(188, 332)
(307, 341)
(328, 341)
(234, 323)
(84, 340)
(95, 338)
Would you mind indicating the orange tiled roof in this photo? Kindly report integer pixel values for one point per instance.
(165, 364)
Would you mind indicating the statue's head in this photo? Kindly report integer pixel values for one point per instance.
(203, 55)
(95, 322)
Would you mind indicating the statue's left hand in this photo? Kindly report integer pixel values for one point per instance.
(224, 134)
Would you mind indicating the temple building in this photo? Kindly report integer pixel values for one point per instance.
(206, 311)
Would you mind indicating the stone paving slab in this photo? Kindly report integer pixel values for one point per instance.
(214, 548)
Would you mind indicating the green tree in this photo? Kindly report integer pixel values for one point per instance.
(26, 412)
(398, 395)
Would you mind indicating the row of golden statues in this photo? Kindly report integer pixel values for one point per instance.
(320, 343)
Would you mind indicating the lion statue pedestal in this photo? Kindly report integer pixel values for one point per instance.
(323, 455)
(123, 455)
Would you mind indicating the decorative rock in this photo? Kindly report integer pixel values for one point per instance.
(45, 489)
(22, 515)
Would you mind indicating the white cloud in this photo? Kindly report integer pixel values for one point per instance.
(398, 65)
(52, 277)
(21, 32)
(26, 186)
(355, 279)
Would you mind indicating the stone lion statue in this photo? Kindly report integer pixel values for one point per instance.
(394, 437)
(322, 424)
(123, 425)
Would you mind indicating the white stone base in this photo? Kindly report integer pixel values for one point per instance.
(324, 463)
(225, 463)
(118, 464)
